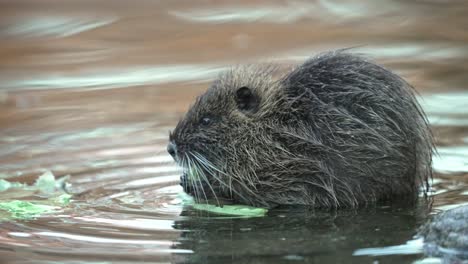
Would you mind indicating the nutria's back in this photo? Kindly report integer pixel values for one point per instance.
(337, 131)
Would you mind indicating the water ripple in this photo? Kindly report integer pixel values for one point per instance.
(290, 12)
(55, 26)
(446, 109)
(118, 78)
(451, 159)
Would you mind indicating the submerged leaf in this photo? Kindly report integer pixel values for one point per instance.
(46, 183)
(46, 186)
(235, 210)
(25, 210)
(5, 185)
(240, 210)
(63, 199)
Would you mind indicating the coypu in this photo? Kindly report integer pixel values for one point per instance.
(446, 235)
(336, 131)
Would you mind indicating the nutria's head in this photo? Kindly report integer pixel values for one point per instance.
(218, 140)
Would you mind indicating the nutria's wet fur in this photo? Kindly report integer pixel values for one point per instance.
(337, 131)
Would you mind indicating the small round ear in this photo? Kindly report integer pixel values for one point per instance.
(246, 100)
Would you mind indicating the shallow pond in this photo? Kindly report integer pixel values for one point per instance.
(90, 89)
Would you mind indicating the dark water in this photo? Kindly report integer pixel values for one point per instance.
(90, 89)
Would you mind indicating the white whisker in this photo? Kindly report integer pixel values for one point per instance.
(210, 167)
(196, 178)
(201, 173)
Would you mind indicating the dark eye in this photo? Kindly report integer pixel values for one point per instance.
(205, 121)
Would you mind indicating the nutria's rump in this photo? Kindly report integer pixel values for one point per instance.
(337, 131)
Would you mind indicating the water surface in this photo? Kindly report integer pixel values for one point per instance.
(90, 89)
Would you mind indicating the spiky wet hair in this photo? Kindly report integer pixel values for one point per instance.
(336, 131)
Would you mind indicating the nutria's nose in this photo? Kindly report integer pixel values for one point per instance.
(172, 149)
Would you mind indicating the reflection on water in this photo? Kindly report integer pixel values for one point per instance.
(53, 26)
(299, 234)
(451, 159)
(447, 109)
(149, 75)
(60, 111)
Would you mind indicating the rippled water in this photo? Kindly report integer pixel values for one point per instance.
(90, 89)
